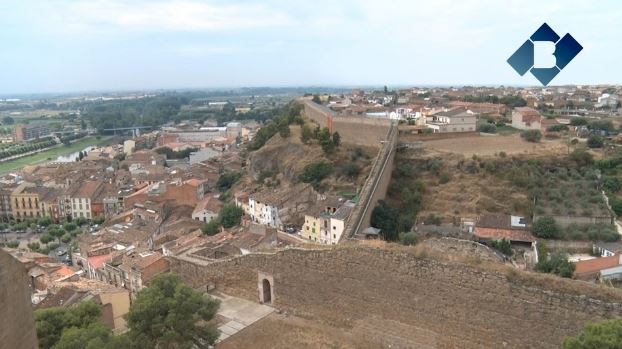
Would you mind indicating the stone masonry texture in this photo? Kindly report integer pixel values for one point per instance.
(399, 299)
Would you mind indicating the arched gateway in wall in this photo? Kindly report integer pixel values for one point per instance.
(266, 288)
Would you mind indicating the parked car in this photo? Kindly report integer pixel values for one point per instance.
(61, 253)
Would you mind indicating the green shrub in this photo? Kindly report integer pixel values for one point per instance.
(502, 246)
(408, 239)
(595, 141)
(546, 228)
(488, 128)
(315, 172)
(533, 136)
(556, 263)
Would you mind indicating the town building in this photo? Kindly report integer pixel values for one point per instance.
(82, 197)
(494, 226)
(23, 133)
(207, 209)
(25, 202)
(454, 120)
(525, 118)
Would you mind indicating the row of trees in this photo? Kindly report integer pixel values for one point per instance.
(510, 101)
(168, 314)
(24, 148)
(151, 111)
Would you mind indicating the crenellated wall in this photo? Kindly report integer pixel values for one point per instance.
(419, 300)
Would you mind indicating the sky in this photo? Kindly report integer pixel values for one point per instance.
(93, 45)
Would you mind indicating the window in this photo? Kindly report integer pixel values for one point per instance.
(334, 227)
(334, 236)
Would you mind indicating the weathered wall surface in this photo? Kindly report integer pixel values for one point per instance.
(412, 137)
(419, 302)
(375, 187)
(353, 130)
(568, 220)
(17, 324)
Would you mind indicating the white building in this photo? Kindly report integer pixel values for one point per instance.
(263, 212)
(404, 114)
(607, 100)
(129, 146)
(337, 224)
(206, 210)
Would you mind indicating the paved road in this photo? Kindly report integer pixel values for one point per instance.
(239, 313)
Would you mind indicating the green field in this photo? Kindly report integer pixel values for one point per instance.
(52, 154)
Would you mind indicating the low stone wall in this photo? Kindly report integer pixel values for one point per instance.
(451, 304)
(565, 221)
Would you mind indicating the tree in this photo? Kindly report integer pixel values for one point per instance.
(283, 127)
(595, 141)
(351, 170)
(171, 314)
(211, 228)
(336, 139)
(230, 215)
(385, 218)
(316, 99)
(46, 238)
(488, 128)
(502, 246)
(34, 246)
(7, 120)
(326, 141)
(612, 184)
(556, 263)
(316, 172)
(45, 221)
(557, 128)
(12, 244)
(546, 228)
(603, 335)
(57, 233)
(96, 335)
(616, 205)
(52, 322)
(408, 239)
(581, 157)
(578, 121)
(533, 136)
(227, 180)
(306, 134)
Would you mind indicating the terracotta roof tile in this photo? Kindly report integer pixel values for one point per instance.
(596, 264)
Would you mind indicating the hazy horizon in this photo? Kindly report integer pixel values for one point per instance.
(115, 45)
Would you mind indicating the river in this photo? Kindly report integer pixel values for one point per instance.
(73, 156)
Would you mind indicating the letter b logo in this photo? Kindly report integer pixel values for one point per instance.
(544, 54)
